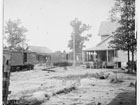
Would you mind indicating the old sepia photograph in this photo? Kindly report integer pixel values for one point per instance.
(69, 52)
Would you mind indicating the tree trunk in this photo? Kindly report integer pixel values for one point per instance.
(129, 68)
(128, 55)
(132, 64)
(132, 56)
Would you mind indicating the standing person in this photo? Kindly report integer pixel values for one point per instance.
(95, 59)
(48, 63)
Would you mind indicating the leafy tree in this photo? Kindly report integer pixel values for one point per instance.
(124, 36)
(78, 29)
(15, 34)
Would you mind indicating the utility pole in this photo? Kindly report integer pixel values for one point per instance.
(73, 50)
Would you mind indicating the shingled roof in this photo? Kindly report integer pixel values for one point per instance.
(107, 27)
(40, 49)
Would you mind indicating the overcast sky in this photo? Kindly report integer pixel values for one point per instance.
(48, 21)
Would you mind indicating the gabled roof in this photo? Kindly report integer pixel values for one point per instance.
(103, 45)
(107, 27)
(40, 49)
(103, 41)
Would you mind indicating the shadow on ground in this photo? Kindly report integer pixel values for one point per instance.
(124, 98)
(24, 102)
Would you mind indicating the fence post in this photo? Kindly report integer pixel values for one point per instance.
(6, 78)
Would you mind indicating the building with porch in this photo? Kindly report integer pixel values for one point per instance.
(43, 53)
(102, 52)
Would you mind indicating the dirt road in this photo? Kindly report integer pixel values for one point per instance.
(74, 86)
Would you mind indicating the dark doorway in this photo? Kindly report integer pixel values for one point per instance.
(119, 64)
(24, 57)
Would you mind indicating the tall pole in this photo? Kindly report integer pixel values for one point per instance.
(3, 33)
(107, 56)
(74, 50)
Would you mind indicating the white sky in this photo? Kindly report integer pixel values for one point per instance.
(48, 21)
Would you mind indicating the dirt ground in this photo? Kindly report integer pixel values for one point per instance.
(74, 86)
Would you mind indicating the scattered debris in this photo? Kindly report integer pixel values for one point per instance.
(121, 102)
(24, 102)
(99, 103)
(41, 95)
(64, 82)
(13, 102)
(37, 98)
(116, 80)
(48, 70)
(123, 68)
(102, 75)
(132, 84)
(65, 67)
(92, 84)
(65, 90)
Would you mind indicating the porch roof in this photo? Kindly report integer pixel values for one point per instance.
(99, 49)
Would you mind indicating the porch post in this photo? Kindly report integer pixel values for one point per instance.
(83, 58)
(107, 56)
(87, 56)
(92, 57)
